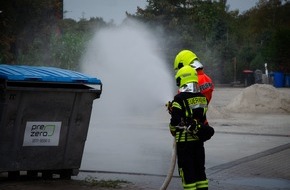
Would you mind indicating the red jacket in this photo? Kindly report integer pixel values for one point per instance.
(205, 84)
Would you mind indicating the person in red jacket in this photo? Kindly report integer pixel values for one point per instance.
(205, 83)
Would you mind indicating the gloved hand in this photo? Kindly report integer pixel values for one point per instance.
(205, 133)
(193, 127)
(169, 107)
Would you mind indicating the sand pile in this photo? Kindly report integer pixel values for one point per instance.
(260, 98)
(215, 113)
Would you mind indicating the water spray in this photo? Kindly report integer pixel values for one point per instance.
(135, 76)
(136, 79)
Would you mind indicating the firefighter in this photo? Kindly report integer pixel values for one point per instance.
(187, 57)
(186, 125)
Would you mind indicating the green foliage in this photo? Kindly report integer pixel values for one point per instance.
(62, 48)
(21, 22)
(265, 30)
(277, 51)
(30, 35)
(258, 62)
(195, 25)
(115, 184)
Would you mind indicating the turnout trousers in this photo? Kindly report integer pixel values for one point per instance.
(191, 161)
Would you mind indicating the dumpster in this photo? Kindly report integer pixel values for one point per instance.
(249, 77)
(278, 79)
(44, 119)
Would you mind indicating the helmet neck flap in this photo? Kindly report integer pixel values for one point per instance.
(190, 87)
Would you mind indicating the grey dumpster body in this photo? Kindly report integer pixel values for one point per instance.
(44, 118)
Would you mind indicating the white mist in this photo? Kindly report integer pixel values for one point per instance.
(136, 80)
(129, 123)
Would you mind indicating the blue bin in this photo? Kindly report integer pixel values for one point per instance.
(278, 79)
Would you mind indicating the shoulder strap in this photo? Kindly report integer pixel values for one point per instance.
(188, 111)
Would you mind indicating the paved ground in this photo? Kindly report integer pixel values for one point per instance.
(265, 170)
(248, 152)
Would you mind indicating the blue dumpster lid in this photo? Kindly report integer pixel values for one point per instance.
(44, 74)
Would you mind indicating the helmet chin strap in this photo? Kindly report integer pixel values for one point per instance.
(190, 87)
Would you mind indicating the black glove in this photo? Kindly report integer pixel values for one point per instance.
(205, 133)
(169, 107)
(193, 127)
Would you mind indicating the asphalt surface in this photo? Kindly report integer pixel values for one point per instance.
(261, 169)
(248, 150)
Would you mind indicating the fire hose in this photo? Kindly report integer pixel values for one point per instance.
(171, 169)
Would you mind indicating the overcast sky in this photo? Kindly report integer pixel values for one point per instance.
(115, 9)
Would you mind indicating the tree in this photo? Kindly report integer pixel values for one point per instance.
(33, 33)
(24, 20)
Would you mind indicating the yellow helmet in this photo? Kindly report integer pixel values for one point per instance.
(185, 75)
(184, 57)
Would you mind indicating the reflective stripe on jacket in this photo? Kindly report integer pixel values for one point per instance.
(197, 103)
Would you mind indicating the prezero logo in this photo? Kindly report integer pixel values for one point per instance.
(42, 130)
(42, 133)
